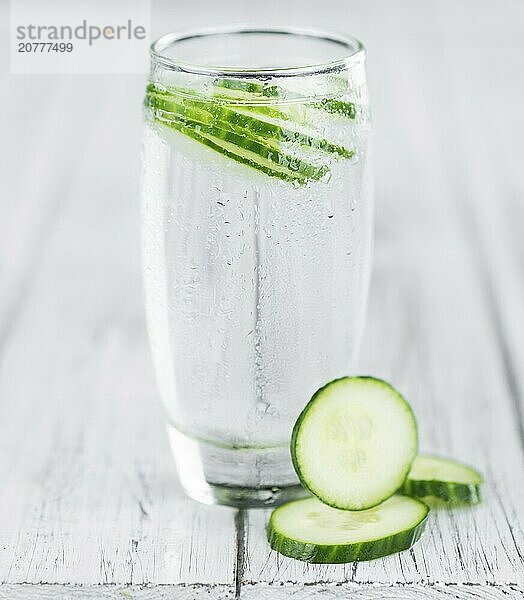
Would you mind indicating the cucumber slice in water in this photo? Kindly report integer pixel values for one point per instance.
(337, 107)
(245, 133)
(353, 444)
(309, 530)
(247, 140)
(251, 154)
(251, 87)
(245, 124)
(443, 478)
(333, 106)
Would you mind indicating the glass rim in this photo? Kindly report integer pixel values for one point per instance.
(356, 52)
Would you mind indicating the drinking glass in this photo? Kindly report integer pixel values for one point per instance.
(257, 237)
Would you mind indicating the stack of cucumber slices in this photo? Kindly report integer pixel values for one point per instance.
(354, 448)
(258, 125)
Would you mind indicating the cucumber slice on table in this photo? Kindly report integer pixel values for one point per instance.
(353, 444)
(313, 532)
(443, 478)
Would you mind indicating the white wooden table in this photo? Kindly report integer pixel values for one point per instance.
(89, 504)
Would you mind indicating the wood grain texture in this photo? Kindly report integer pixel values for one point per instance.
(260, 592)
(443, 304)
(89, 493)
(114, 592)
(382, 592)
(89, 503)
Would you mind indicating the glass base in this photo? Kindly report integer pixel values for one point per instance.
(240, 477)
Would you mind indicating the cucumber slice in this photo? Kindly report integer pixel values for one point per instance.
(267, 158)
(333, 106)
(338, 107)
(443, 478)
(250, 153)
(247, 140)
(313, 532)
(251, 87)
(353, 444)
(243, 123)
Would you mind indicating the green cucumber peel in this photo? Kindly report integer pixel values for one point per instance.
(250, 87)
(334, 106)
(242, 136)
(313, 532)
(207, 113)
(443, 478)
(248, 152)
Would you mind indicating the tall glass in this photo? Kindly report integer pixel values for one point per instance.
(257, 235)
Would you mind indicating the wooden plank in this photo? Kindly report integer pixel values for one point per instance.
(324, 591)
(88, 480)
(431, 329)
(462, 412)
(113, 592)
(259, 592)
(32, 202)
(492, 189)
